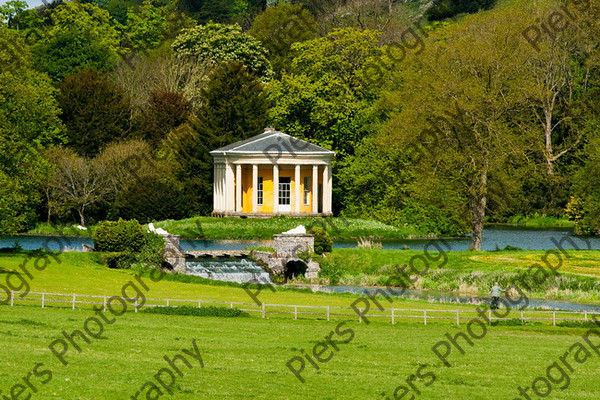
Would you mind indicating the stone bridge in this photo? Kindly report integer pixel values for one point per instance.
(287, 260)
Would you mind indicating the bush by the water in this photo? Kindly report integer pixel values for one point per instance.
(210, 311)
(323, 242)
(127, 243)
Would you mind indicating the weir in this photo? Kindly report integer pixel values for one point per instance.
(227, 269)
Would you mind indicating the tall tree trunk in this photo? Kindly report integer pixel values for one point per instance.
(478, 203)
(548, 137)
(82, 220)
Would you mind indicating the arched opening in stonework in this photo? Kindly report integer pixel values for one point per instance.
(295, 268)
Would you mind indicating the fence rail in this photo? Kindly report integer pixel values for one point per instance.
(321, 312)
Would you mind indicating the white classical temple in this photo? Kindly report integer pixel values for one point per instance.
(272, 174)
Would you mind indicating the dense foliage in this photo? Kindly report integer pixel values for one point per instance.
(323, 242)
(128, 243)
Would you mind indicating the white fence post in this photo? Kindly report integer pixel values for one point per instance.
(489, 317)
(231, 305)
(104, 300)
(586, 318)
(554, 318)
(424, 317)
(457, 318)
(168, 302)
(74, 298)
(295, 312)
(135, 306)
(263, 310)
(393, 316)
(522, 319)
(43, 299)
(12, 298)
(327, 313)
(199, 303)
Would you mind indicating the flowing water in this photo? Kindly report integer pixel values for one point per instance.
(228, 270)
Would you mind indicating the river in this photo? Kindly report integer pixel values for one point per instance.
(494, 238)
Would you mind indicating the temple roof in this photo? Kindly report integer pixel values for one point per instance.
(271, 142)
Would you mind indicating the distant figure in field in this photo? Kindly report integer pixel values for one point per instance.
(496, 295)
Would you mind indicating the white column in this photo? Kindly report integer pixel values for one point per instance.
(254, 188)
(315, 189)
(297, 190)
(275, 188)
(216, 188)
(238, 188)
(327, 189)
(229, 188)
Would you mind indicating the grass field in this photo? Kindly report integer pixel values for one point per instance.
(252, 228)
(245, 358)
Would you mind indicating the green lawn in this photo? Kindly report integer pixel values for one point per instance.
(245, 358)
(252, 228)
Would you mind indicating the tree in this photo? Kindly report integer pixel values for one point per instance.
(466, 133)
(326, 98)
(69, 52)
(235, 105)
(281, 26)
(164, 112)
(28, 123)
(215, 44)
(77, 182)
(222, 11)
(81, 35)
(9, 12)
(141, 185)
(96, 111)
(147, 27)
(442, 9)
(556, 72)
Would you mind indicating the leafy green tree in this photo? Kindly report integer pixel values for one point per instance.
(28, 123)
(216, 44)
(81, 35)
(147, 26)
(281, 26)
(69, 52)
(10, 11)
(222, 11)
(467, 133)
(326, 99)
(95, 111)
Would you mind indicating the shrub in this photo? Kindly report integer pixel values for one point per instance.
(323, 242)
(118, 236)
(127, 244)
(210, 311)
